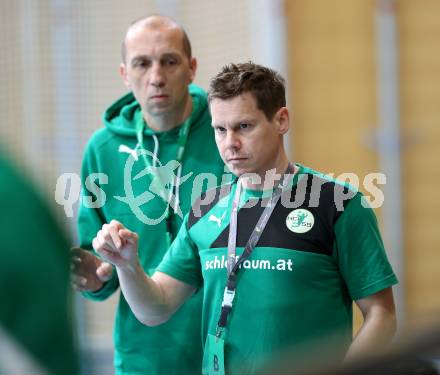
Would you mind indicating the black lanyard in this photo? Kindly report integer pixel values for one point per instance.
(233, 265)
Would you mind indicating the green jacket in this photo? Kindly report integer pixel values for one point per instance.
(34, 276)
(176, 346)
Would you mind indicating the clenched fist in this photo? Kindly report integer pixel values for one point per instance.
(117, 245)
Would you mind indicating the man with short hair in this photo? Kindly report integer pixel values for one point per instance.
(142, 169)
(279, 271)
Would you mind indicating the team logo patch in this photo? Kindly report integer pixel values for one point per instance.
(300, 221)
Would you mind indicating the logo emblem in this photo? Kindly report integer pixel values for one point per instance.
(216, 219)
(162, 177)
(300, 221)
(128, 150)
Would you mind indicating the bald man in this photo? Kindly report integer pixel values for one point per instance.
(155, 141)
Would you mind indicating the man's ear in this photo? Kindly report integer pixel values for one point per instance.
(282, 120)
(193, 68)
(123, 74)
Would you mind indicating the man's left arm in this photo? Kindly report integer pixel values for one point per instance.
(379, 324)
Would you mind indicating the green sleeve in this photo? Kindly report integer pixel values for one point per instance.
(36, 307)
(90, 221)
(360, 252)
(182, 260)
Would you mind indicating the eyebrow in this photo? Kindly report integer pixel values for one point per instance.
(139, 58)
(235, 124)
(174, 55)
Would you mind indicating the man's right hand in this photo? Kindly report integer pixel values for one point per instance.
(152, 300)
(118, 245)
(88, 272)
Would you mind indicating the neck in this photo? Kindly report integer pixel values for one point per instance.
(168, 121)
(270, 177)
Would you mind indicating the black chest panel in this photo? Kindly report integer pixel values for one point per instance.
(320, 199)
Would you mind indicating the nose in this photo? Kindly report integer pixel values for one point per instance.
(232, 141)
(157, 75)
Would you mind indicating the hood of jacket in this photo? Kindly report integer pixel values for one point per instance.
(121, 117)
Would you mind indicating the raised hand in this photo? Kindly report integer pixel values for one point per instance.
(117, 245)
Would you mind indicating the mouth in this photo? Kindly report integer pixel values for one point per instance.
(159, 97)
(235, 160)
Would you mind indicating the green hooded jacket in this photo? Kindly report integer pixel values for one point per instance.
(116, 186)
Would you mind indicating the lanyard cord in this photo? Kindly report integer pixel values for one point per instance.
(233, 265)
(181, 145)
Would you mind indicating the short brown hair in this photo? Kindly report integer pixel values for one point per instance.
(265, 84)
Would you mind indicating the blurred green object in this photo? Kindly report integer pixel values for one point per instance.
(35, 291)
